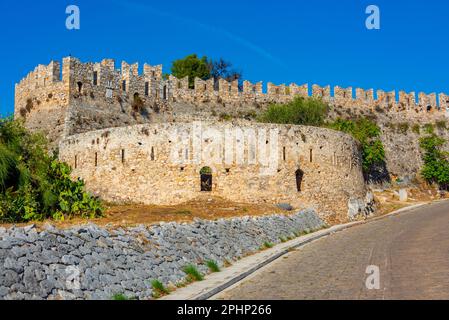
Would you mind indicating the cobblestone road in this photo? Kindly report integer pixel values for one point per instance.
(410, 249)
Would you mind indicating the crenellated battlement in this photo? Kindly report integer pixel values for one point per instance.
(53, 95)
(104, 80)
(42, 76)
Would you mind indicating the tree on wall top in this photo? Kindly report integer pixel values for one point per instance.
(223, 69)
(191, 66)
(204, 68)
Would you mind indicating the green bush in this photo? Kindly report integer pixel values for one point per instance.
(436, 161)
(191, 66)
(159, 288)
(192, 273)
(403, 127)
(119, 297)
(368, 134)
(416, 128)
(213, 266)
(225, 117)
(267, 245)
(429, 128)
(35, 185)
(301, 111)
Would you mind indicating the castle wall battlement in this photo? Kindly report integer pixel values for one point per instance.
(104, 81)
(76, 97)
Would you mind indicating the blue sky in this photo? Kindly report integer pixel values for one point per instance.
(323, 42)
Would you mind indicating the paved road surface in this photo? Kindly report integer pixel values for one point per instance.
(410, 249)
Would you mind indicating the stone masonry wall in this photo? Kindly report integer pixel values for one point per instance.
(90, 262)
(402, 150)
(161, 164)
(90, 96)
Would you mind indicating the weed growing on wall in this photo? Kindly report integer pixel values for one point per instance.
(35, 185)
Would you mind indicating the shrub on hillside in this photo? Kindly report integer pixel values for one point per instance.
(301, 111)
(436, 161)
(35, 185)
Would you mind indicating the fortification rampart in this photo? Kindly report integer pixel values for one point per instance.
(81, 97)
(103, 81)
(162, 164)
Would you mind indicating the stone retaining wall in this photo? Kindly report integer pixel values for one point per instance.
(91, 262)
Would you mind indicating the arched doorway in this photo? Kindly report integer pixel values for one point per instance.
(206, 179)
(299, 174)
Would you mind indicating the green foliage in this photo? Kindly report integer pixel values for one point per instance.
(191, 66)
(213, 266)
(33, 184)
(403, 127)
(312, 111)
(267, 245)
(416, 128)
(192, 272)
(223, 69)
(368, 134)
(206, 170)
(119, 297)
(301, 111)
(159, 288)
(225, 117)
(429, 128)
(436, 161)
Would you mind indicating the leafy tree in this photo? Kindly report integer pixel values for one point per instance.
(223, 69)
(191, 66)
(204, 68)
(436, 161)
(368, 134)
(33, 184)
(301, 111)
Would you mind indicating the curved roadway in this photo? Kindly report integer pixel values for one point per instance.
(411, 251)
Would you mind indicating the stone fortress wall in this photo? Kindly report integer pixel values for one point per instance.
(85, 97)
(104, 80)
(86, 92)
(252, 163)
